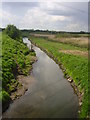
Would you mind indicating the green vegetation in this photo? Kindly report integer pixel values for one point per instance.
(5, 97)
(13, 32)
(16, 59)
(76, 65)
(57, 45)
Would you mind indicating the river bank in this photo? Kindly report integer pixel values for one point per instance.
(67, 76)
(17, 60)
(24, 83)
(69, 66)
(50, 96)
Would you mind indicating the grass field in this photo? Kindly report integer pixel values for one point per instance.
(73, 39)
(76, 64)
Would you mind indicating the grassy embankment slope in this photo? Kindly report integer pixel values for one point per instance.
(75, 63)
(16, 59)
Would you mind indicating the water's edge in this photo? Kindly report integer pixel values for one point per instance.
(22, 89)
(51, 96)
(68, 78)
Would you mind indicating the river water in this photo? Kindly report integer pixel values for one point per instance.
(51, 95)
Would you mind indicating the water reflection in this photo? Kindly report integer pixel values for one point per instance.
(50, 97)
(25, 40)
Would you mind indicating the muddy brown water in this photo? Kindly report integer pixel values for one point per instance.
(50, 96)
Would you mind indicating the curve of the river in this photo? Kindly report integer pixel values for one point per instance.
(51, 95)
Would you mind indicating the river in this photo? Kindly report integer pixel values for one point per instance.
(51, 95)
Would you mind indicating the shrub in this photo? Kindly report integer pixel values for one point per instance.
(12, 32)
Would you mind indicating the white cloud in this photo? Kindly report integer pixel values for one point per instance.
(60, 18)
(76, 27)
(36, 18)
(8, 18)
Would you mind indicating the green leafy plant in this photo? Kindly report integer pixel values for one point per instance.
(13, 32)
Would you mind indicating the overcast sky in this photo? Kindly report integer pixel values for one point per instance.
(62, 16)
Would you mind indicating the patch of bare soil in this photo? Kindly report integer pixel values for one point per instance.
(24, 84)
(75, 52)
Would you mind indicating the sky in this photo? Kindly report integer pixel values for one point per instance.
(55, 15)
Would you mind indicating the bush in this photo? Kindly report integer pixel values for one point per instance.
(13, 32)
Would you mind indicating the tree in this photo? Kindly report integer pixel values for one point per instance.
(12, 32)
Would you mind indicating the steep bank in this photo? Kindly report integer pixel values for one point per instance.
(17, 59)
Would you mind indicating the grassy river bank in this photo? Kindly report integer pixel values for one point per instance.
(73, 59)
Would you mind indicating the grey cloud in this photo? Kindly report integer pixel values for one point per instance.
(71, 8)
(19, 8)
(77, 12)
(20, 4)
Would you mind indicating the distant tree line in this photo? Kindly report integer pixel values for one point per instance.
(15, 33)
(52, 32)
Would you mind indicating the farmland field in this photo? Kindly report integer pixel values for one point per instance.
(73, 39)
